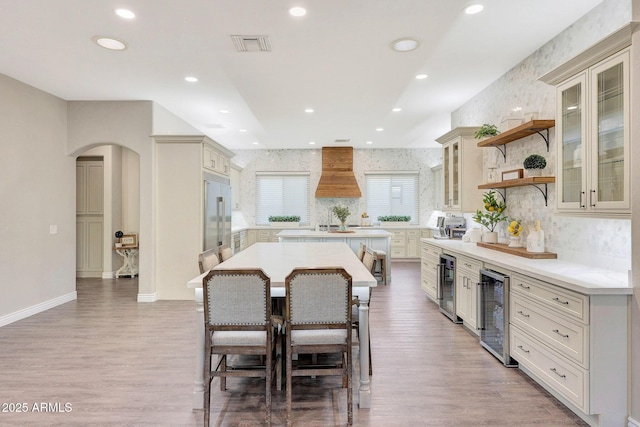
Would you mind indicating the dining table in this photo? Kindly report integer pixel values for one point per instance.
(277, 260)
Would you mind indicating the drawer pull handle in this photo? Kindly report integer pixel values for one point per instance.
(556, 372)
(523, 314)
(522, 348)
(524, 287)
(562, 335)
(468, 265)
(556, 299)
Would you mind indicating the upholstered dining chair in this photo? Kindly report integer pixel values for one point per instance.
(207, 260)
(318, 320)
(225, 252)
(237, 320)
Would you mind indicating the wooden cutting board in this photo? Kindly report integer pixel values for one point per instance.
(518, 251)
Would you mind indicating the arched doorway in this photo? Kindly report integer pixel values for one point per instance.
(119, 209)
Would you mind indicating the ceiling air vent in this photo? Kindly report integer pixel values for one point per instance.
(251, 43)
(342, 140)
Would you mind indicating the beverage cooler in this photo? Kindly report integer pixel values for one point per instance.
(493, 315)
(447, 287)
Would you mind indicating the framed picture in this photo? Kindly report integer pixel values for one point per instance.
(513, 174)
(129, 241)
(457, 233)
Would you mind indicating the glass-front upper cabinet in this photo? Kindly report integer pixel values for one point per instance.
(462, 170)
(593, 146)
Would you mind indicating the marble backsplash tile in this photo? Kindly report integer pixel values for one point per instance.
(600, 242)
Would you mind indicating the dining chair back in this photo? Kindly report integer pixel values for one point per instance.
(207, 260)
(361, 251)
(225, 252)
(318, 320)
(237, 320)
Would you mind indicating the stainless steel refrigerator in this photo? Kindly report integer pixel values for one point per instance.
(217, 211)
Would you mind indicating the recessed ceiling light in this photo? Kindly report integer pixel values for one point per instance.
(369, 142)
(473, 8)
(421, 76)
(297, 11)
(242, 130)
(224, 111)
(191, 79)
(312, 143)
(308, 110)
(405, 45)
(379, 129)
(125, 13)
(395, 110)
(110, 43)
(255, 143)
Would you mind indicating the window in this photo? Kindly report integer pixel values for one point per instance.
(282, 193)
(392, 193)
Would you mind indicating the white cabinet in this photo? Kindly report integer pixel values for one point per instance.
(89, 187)
(430, 258)
(405, 242)
(215, 161)
(467, 278)
(572, 344)
(462, 170)
(593, 138)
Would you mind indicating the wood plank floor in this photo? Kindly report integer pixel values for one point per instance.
(116, 362)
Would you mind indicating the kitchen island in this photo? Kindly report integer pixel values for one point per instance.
(374, 239)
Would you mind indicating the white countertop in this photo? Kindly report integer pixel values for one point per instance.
(577, 277)
(354, 232)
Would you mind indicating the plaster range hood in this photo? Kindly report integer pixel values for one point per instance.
(337, 179)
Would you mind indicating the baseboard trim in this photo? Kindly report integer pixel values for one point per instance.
(38, 308)
(633, 423)
(108, 275)
(148, 297)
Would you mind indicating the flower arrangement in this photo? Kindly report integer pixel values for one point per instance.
(364, 215)
(341, 212)
(515, 228)
(494, 211)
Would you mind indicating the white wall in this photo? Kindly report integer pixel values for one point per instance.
(129, 124)
(364, 160)
(37, 190)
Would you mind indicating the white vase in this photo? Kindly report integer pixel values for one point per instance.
(490, 237)
(514, 242)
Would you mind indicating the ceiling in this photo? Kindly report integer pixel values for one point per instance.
(336, 59)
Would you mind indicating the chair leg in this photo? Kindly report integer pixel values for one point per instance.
(349, 387)
(223, 368)
(289, 367)
(207, 388)
(268, 377)
(370, 363)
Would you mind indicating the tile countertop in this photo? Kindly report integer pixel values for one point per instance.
(576, 277)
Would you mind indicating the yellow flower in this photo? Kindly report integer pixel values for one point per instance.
(491, 208)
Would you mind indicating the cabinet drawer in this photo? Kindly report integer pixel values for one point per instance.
(413, 233)
(398, 252)
(397, 233)
(563, 300)
(431, 252)
(397, 242)
(469, 264)
(569, 338)
(566, 378)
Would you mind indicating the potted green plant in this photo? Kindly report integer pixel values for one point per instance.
(486, 131)
(342, 213)
(394, 220)
(534, 165)
(284, 221)
(492, 215)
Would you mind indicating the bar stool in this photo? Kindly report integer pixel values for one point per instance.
(381, 258)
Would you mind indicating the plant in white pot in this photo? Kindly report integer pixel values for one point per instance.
(486, 131)
(534, 164)
(492, 215)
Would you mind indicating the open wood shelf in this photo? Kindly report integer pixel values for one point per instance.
(532, 180)
(538, 182)
(518, 251)
(525, 129)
